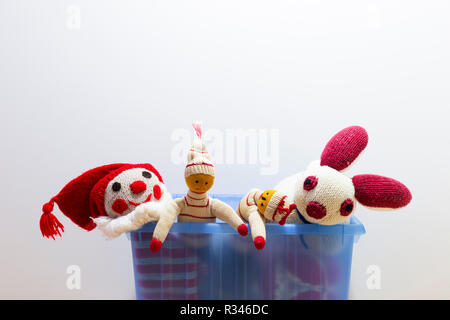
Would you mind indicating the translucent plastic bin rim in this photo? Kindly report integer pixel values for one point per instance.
(355, 227)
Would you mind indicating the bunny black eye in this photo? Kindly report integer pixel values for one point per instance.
(196, 181)
(146, 174)
(206, 182)
(310, 183)
(116, 186)
(347, 207)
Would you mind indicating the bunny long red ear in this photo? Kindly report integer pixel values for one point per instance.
(380, 192)
(344, 148)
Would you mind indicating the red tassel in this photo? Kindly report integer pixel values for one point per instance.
(49, 224)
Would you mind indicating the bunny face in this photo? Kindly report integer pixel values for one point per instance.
(324, 195)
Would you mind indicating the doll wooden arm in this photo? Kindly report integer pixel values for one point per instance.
(166, 220)
(225, 213)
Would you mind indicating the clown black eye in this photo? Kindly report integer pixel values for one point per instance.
(310, 183)
(116, 186)
(146, 174)
(196, 181)
(206, 182)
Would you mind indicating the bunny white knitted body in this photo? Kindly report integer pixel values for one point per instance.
(335, 190)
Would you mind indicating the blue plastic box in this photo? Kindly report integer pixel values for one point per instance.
(212, 261)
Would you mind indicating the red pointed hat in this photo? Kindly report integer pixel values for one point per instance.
(83, 198)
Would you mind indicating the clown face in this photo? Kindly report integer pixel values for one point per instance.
(325, 196)
(129, 189)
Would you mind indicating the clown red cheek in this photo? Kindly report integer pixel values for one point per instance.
(120, 206)
(157, 192)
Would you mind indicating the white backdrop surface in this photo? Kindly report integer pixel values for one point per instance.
(85, 83)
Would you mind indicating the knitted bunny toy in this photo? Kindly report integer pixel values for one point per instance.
(106, 193)
(324, 195)
(196, 206)
(258, 206)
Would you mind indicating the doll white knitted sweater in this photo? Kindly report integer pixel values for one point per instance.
(195, 207)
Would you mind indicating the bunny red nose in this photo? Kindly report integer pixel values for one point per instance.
(316, 210)
(138, 187)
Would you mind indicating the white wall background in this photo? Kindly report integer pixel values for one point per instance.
(115, 89)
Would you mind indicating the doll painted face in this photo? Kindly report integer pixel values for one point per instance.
(129, 189)
(264, 199)
(199, 183)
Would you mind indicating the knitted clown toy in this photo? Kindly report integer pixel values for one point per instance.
(196, 206)
(324, 195)
(109, 191)
(258, 206)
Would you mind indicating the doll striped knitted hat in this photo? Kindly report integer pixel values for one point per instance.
(198, 160)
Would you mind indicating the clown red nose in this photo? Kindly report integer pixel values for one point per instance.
(138, 187)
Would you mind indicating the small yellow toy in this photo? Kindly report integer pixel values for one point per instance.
(264, 200)
(258, 206)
